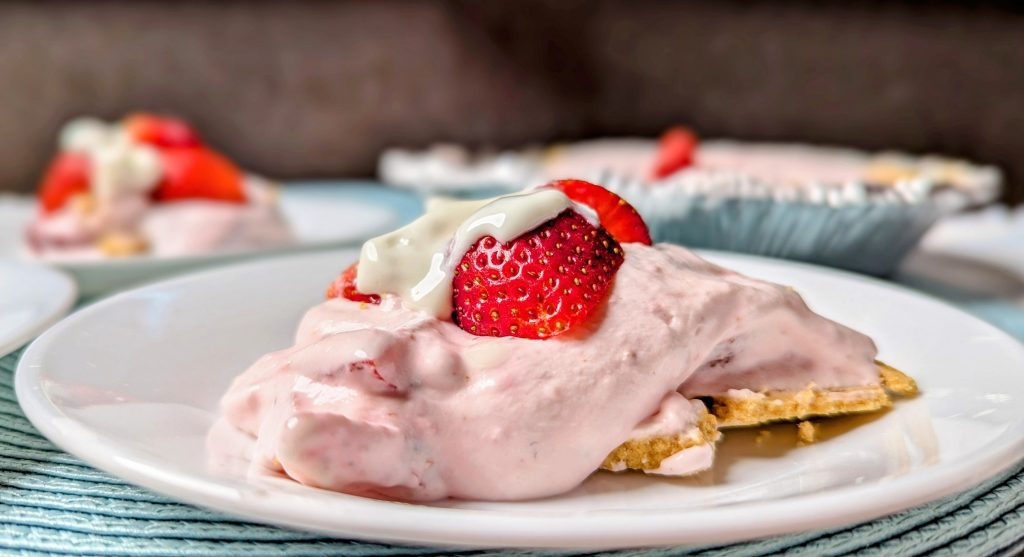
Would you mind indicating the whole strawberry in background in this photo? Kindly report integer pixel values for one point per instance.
(676, 149)
(198, 173)
(66, 177)
(161, 131)
(191, 170)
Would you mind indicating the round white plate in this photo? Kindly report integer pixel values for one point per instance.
(980, 252)
(32, 298)
(994, 235)
(327, 214)
(131, 384)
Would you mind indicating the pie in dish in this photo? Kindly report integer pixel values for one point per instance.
(148, 185)
(508, 348)
(836, 206)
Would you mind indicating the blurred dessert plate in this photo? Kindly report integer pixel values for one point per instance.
(32, 297)
(836, 206)
(319, 215)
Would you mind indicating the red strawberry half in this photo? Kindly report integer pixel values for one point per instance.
(617, 216)
(66, 177)
(345, 287)
(191, 173)
(675, 152)
(539, 285)
(161, 131)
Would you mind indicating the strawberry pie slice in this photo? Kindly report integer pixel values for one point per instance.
(509, 348)
(148, 184)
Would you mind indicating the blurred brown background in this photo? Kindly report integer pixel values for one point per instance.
(317, 89)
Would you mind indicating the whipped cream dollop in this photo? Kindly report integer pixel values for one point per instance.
(119, 165)
(390, 401)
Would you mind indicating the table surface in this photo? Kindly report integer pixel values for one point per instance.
(51, 503)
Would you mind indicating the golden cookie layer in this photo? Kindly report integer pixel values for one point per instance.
(647, 454)
(895, 381)
(121, 244)
(747, 408)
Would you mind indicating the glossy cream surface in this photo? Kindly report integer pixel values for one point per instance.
(390, 401)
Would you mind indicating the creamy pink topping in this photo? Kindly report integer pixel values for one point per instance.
(389, 401)
(72, 227)
(780, 163)
(696, 459)
(198, 226)
(784, 163)
(178, 228)
(675, 415)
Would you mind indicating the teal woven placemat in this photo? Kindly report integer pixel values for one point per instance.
(52, 503)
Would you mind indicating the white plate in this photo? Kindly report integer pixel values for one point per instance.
(322, 214)
(131, 384)
(978, 253)
(994, 235)
(32, 298)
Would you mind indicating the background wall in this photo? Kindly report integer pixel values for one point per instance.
(305, 89)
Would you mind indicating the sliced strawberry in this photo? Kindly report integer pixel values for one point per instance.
(345, 287)
(617, 216)
(66, 177)
(198, 173)
(161, 131)
(675, 152)
(539, 285)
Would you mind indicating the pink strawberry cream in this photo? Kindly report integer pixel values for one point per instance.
(397, 401)
(182, 228)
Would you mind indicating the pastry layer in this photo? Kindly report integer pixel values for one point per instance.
(895, 381)
(648, 454)
(745, 408)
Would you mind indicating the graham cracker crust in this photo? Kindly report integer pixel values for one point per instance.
(647, 454)
(744, 408)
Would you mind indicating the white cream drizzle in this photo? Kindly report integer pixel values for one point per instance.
(119, 164)
(416, 262)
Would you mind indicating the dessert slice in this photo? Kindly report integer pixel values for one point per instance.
(791, 386)
(148, 184)
(508, 348)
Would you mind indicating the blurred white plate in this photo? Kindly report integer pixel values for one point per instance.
(32, 298)
(327, 214)
(139, 399)
(975, 257)
(994, 235)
